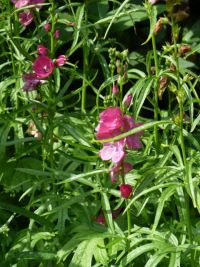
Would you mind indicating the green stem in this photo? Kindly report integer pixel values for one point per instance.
(183, 150)
(85, 69)
(52, 38)
(156, 136)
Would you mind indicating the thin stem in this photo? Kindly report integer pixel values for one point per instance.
(85, 69)
(156, 137)
(183, 150)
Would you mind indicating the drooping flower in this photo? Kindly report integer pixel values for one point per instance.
(25, 18)
(43, 66)
(30, 81)
(120, 169)
(126, 190)
(42, 50)
(113, 151)
(61, 60)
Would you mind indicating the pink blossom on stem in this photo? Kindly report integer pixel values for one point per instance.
(126, 190)
(113, 151)
(47, 27)
(42, 50)
(61, 60)
(43, 66)
(25, 18)
(30, 81)
(111, 121)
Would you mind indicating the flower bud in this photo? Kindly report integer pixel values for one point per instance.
(57, 34)
(47, 27)
(126, 190)
(127, 100)
(115, 89)
(42, 50)
(61, 60)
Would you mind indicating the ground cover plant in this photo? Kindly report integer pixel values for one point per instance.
(99, 133)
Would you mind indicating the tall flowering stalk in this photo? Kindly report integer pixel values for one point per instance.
(112, 123)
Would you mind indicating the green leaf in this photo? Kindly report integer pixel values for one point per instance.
(166, 194)
(107, 212)
(79, 18)
(100, 253)
(135, 253)
(84, 253)
(153, 20)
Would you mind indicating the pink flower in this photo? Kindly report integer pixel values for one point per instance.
(57, 34)
(132, 141)
(111, 121)
(42, 50)
(120, 169)
(115, 89)
(43, 66)
(25, 18)
(113, 151)
(127, 100)
(126, 190)
(30, 81)
(21, 3)
(47, 27)
(61, 60)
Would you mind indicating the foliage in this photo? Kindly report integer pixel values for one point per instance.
(53, 183)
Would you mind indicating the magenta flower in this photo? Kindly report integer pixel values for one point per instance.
(113, 151)
(20, 3)
(126, 190)
(132, 141)
(61, 60)
(57, 34)
(120, 169)
(25, 18)
(31, 81)
(47, 27)
(43, 66)
(111, 121)
(42, 50)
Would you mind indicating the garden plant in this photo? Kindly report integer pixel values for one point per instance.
(99, 133)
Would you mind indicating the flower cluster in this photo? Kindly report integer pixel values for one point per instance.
(26, 17)
(113, 123)
(43, 67)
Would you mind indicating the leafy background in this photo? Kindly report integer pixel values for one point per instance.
(52, 189)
